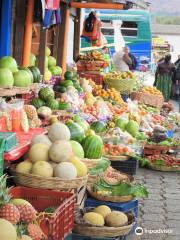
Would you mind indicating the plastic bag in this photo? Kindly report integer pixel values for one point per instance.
(14, 113)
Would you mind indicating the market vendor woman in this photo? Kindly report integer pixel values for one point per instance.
(164, 77)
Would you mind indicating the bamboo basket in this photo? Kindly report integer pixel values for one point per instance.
(163, 168)
(109, 198)
(53, 183)
(105, 231)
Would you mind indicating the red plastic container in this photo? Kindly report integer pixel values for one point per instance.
(97, 78)
(3, 124)
(61, 222)
(24, 140)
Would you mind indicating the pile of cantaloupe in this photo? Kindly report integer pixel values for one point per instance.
(53, 155)
(103, 216)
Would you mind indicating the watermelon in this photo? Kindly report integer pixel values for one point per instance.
(22, 79)
(67, 83)
(64, 106)
(56, 70)
(36, 74)
(37, 102)
(121, 123)
(6, 78)
(29, 71)
(32, 60)
(93, 147)
(62, 89)
(77, 149)
(46, 93)
(98, 127)
(77, 132)
(51, 61)
(68, 75)
(53, 104)
(9, 62)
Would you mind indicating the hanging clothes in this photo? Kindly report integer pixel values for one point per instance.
(51, 12)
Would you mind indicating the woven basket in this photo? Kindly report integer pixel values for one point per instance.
(90, 163)
(22, 90)
(148, 99)
(53, 183)
(7, 92)
(110, 198)
(123, 85)
(92, 231)
(163, 168)
(117, 158)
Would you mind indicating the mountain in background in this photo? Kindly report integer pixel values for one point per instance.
(165, 7)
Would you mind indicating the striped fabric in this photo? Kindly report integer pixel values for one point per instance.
(164, 84)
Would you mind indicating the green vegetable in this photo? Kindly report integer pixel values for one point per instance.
(50, 210)
(122, 189)
(100, 167)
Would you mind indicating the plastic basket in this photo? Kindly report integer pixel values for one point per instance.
(129, 166)
(61, 222)
(131, 206)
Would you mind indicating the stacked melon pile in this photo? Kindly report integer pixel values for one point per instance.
(53, 155)
(51, 68)
(11, 75)
(59, 154)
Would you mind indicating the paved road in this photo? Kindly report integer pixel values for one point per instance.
(161, 211)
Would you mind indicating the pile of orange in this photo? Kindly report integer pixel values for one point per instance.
(151, 90)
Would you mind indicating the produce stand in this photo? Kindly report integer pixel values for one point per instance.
(83, 142)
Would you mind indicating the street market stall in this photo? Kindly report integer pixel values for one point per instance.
(72, 147)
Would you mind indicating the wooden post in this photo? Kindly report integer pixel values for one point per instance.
(28, 33)
(77, 33)
(55, 42)
(42, 50)
(5, 28)
(19, 30)
(63, 38)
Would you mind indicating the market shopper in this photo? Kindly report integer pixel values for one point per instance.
(164, 77)
(177, 81)
(129, 59)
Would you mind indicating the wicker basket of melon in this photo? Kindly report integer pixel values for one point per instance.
(52, 162)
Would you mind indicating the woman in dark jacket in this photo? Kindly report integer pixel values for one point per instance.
(177, 80)
(164, 77)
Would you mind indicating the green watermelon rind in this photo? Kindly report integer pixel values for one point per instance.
(77, 132)
(37, 102)
(98, 127)
(45, 93)
(93, 147)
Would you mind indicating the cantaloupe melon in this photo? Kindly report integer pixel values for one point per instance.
(39, 152)
(59, 131)
(80, 167)
(103, 210)
(41, 139)
(116, 219)
(60, 151)
(65, 170)
(7, 230)
(94, 219)
(43, 169)
(24, 167)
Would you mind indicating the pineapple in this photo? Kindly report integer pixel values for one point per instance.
(7, 210)
(35, 232)
(27, 213)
